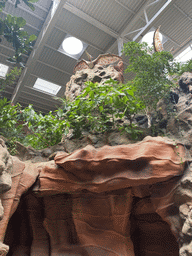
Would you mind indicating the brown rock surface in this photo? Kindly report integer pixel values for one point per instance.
(99, 73)
(114, 200)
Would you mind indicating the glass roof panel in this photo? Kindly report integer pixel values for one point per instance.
(46, 86)
(3, 70)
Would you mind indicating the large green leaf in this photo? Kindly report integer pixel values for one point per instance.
(20, 22)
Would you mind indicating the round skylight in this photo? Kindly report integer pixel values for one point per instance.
(72, 45)
(148, 38)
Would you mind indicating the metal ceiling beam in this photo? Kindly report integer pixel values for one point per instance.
(27, 24)
(128, 27)
(137, 16)
(124, 6)
(180, 10)
(82, 39)
(39, 94)
(26, 10)
(41, 40)
(11, 49)
(183, 46)
(35, 99)
(152, 19)
(41, 7)
(37, 106)
(90, 20)
(53, 67)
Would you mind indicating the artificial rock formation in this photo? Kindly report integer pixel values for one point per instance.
(99, 73)
(123, 198)
(114, 200)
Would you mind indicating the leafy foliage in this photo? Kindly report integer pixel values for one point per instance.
(42, 130)
(12, 29)
(97, 109)
(9, 119)
(29, 127)
(99, 106)
(27, 2)
(10, 79)
(180, 68)
(151, 73)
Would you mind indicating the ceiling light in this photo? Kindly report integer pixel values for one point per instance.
(72, 45)
(3, 70)
(46, 86)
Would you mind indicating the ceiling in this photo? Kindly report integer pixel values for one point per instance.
(104, 25)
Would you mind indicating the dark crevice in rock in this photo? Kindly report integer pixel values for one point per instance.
(96, 79)
(107, 77)
(102, 73)
(174, 97)
(78, 79)
(84, 76)
(151, 235)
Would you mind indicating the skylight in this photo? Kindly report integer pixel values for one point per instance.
(185, 55)
(72, 47)
(46, 86)
(3, 70)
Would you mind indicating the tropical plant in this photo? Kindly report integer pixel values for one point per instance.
(12, 29)
(151, 81)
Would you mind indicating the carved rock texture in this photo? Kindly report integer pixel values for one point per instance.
(99, 73)
(129, 200)
(114, 200)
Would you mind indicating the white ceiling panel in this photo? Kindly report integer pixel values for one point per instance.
(81, 29)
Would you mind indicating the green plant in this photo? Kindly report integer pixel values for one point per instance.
(184, 67)
(12, 29)
(27, 2)
(41, 130)
(99, 107)
(10, 79)
(9, 119)
(151, 81)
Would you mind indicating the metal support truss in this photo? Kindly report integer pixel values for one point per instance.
(120, 45)
(149, 22)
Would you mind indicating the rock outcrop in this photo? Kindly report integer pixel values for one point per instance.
(102, 194)
(84, 201)
(99, 73)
